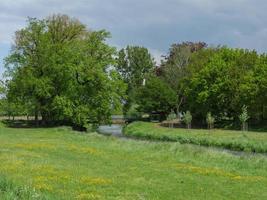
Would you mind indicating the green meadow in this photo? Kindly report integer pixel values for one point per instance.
(58, 163)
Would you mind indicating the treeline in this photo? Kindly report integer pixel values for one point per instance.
(202, 79)
(61, 71)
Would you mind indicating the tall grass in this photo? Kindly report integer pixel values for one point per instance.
(11, 191)
(233, 140)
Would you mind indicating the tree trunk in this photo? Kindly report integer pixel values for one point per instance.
(178, 107)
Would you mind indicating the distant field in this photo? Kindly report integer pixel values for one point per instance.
(58, 163)
(234, 140)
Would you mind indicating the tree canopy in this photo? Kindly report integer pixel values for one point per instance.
(59, 69)
(62, 71)
(134, 64)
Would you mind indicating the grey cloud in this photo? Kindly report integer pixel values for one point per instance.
(152, 23)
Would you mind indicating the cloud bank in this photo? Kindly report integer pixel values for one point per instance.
(152, 23)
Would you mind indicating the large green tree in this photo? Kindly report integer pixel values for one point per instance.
(134, 63)
(62, 71)
(174, 68)
(155, 96)
(223, 80)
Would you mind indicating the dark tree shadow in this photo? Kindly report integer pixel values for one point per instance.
(33, 124)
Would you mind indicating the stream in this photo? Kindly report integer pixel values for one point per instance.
(116, 131)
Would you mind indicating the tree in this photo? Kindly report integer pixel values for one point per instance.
(172, 116)
(210, 120)
(174, 68)
(134, 63)
(243, 117)
(155, 96)
(61, 69)
(187, 119)
(224, 79)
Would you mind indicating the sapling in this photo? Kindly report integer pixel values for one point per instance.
(243, 117)
(170, 118)
(187, 119)
(210, 120)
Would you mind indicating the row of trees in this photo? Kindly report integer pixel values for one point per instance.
(210, 120)
(203, 79)
(61, 71)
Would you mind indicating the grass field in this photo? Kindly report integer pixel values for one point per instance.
(233, 140)
(58, 163)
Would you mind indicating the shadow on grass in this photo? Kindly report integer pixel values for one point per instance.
(28, 124)
(40, 124)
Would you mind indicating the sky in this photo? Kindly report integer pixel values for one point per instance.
(155, 24)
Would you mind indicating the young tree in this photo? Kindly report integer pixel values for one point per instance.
(243, 117)
(210, 120)
(172, 116)
(187, 119)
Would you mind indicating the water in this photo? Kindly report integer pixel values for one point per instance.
(114, 129)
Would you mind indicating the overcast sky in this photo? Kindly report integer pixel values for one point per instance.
(155, 24)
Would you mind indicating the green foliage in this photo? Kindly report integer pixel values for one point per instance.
(171, 116)
(233, 140)
(210, 120)
(133, 113)
(66, 74)
(174, 69)
(222, 79)
(155, 96)
(243, 117)
(187, 119)
(134, 64)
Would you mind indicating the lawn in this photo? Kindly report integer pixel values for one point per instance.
(58, 163)
(233, 140)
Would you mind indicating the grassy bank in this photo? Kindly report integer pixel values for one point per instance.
(233, 140)
(57, 163)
